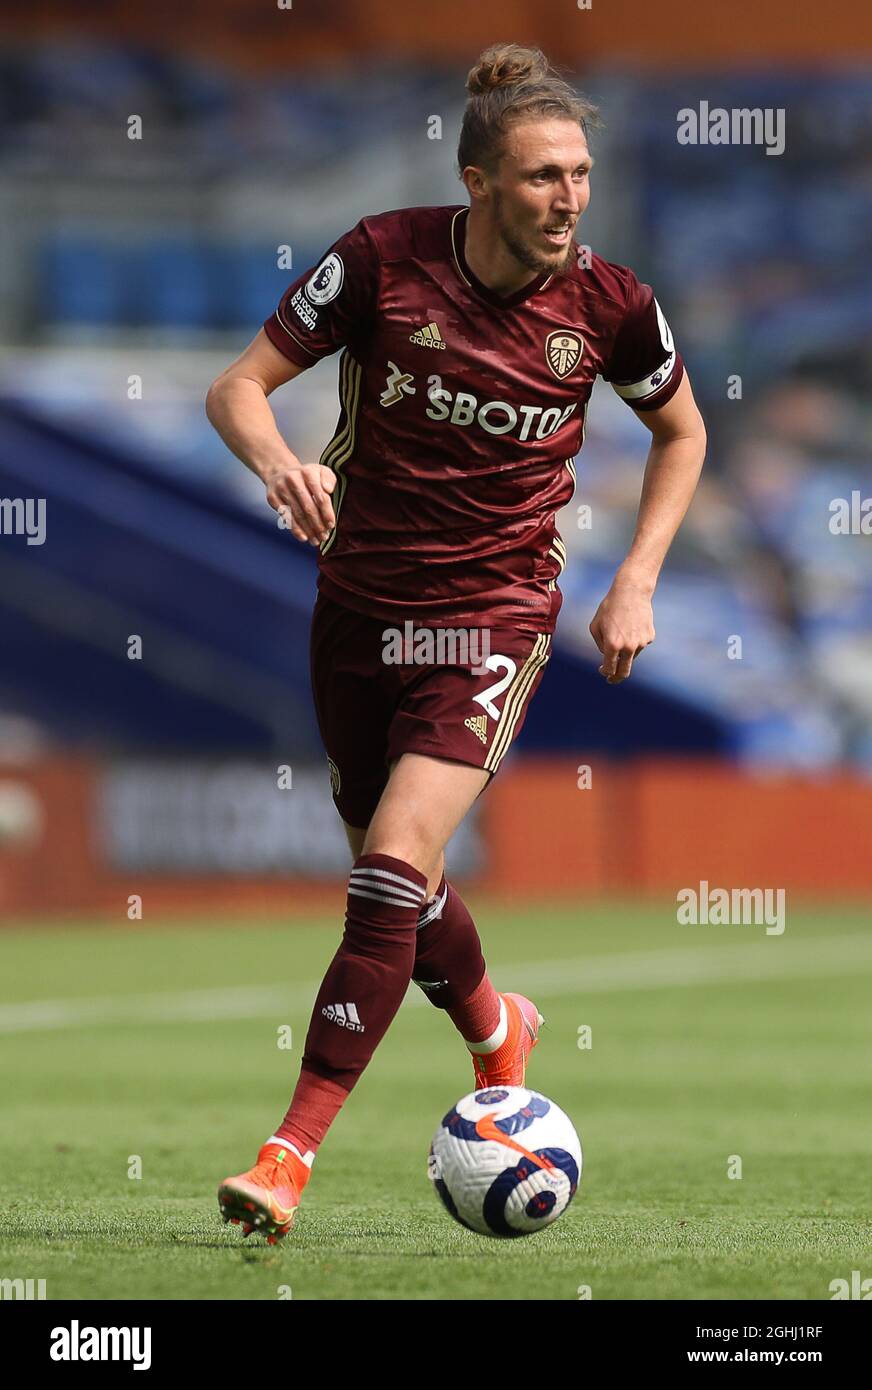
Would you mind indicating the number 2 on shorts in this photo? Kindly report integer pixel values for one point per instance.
(486, 698)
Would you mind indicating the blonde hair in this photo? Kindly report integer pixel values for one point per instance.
(510, 83)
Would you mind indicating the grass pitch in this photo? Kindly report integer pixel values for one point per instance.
(708, 1045)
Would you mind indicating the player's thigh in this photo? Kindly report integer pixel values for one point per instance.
(422, 805)
(355, 836)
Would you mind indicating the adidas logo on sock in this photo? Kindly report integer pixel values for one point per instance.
(345, 1015)
(478, 724)
(428, 336)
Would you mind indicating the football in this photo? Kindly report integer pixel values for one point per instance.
(505, 1162)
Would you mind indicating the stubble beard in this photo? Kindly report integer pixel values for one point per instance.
(528, 255)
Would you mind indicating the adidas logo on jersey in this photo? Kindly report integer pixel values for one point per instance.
(428, 336)
(478, 724)
(345, 1015)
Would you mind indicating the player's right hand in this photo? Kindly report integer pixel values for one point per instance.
(301, 496)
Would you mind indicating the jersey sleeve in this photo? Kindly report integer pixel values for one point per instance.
(330, 306)
(644, 366)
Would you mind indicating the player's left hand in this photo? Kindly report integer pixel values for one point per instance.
(622, 627)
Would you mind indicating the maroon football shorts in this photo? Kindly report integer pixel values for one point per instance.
(464, 701)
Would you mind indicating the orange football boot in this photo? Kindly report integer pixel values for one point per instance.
(508, 1065)
(266, 1198)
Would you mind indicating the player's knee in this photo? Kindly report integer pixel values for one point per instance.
(408, 846)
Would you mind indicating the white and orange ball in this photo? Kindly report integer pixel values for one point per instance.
(506, 1161)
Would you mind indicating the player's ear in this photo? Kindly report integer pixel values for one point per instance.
(476, 181)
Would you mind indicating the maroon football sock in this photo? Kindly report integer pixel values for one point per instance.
(480, 1019)
(450, 968)
(315, 1104)
(361, 992)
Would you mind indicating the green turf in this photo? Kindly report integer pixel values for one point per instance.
(770, 1062)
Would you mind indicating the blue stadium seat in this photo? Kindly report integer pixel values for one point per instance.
(82, 279)
(173, 284)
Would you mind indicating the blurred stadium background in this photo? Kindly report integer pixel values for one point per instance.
(133, 270)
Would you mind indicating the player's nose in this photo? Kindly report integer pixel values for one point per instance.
(567, 202)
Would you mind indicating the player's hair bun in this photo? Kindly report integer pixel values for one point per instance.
(507, 83)
(504, 65)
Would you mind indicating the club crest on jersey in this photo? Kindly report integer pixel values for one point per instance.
(326, 282)
(563, 352)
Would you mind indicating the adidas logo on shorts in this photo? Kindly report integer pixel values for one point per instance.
(345, 1015)
(478, 724)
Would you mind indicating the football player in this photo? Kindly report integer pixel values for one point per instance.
(471, 337)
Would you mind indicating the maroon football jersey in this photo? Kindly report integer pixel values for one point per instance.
(461, 414)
